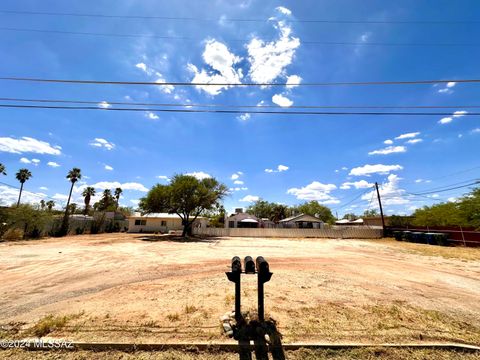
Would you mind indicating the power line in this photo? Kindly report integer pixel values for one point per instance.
(189, 105)
(177, 18)
(182, 83)
(448, 189)
(31, 193)
(327, 113)
(187, 38)
(353, 200)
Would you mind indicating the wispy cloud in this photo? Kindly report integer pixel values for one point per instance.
(27, 144)
(407, 135)
(367, 170)
(388, 150)
(280, 168)
(315, 191)
(102, 143)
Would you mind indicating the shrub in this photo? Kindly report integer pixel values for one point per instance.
(13, 234)
(79, 231)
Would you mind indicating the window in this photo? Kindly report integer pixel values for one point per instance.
(164, 223)
(140, 222)
(231, 224)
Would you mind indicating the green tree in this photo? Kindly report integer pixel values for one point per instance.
(73, 176)
(3, 170)
(279, 212)
(350, 216)
(371, 213)
(42, 204)
(106, 203)
(118, 192)
(29, 219)
(261, 209)
(22, 175)
(313, 208)
(50, 204)
(185, 196)
(87, 194)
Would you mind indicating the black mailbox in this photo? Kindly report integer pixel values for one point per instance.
(249, 265)
(236, 265)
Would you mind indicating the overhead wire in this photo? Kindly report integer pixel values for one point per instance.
(204, 19)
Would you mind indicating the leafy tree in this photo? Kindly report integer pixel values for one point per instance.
(50, 204)
(87, 194)
(350, 216)
(29, 219)
(73, 175)
(72, 208)
(279, 212)
(22, 175)
(185, 196)
(371, 213)
(42, 204)
(313, 208)
(3, 170)
(261, 209)
(118, 192)
(107, 202)
(217, 217)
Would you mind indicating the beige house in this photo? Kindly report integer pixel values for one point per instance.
(159, 222)
(302, 221)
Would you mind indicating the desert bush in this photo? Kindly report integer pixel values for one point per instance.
(32, 221)
(13, 234)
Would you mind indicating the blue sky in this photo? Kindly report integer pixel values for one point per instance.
(330, 159)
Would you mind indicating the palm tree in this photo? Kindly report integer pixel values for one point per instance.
(50, 204)
(42, 204)
(106, 198)
(22, 175)
(73, 175)
(3, 171)
(118, 192)
(87, 194)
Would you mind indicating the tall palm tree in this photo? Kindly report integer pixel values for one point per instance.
(3, 171)
(73, 175)
(118, 192)
(106, 198)
(87, 195)
(50, 204)
(42, 204)
(22, 175)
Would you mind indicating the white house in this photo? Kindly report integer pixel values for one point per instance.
(159, 222)
(302, 221)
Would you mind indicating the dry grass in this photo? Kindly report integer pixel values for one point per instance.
(303, 354)
(450, 252)
(51, 323)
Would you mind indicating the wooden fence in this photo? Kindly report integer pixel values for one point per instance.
(341, 232)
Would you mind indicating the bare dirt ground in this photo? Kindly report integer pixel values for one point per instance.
(119, 287)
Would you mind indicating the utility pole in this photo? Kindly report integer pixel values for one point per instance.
(381, 209)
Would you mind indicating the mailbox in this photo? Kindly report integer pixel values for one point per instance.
(249, 265)
(236, 265)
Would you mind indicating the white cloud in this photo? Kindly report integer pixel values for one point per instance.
(388, 142)
(284, 10)
(388, 150)
(35, 162)
(238, 189)
(456, 114)
(200, 175)
(362, 184)
(238, 182)
(235, 176)
(281, 100)
(104, 105)
(142, 66)
(367, 170)
(315, 191)
(27, 144)
(268, 60)
(53, 164)
(244, 117)
(9, 195)
(475, 131)
(222, 61)
(390, 192)
(152, 116)
(44, 188)
(133, 186)
(280, 168)
(293, 81)
(163, 177)
(414, 141)
(448, 88)
(407, 135)
(108, 167)
(25, 161)
(250, 198)
(102, 143)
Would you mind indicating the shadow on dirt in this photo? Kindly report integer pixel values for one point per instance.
(175, 238)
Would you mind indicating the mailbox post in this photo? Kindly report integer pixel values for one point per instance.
(234, 276)
(264, 275)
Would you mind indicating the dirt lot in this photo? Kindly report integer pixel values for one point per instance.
(120, 287)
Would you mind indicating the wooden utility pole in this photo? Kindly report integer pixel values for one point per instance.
(381, 209)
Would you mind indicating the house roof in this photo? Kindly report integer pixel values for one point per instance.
(156, 216)
(301, 217)
(242, 216)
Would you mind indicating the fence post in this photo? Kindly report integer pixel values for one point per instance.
(463, 236)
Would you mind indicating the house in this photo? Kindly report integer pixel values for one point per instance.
(159, 222)
(242, 220)
(302, 221)
(347, 222)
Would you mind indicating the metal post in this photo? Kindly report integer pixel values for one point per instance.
(264, 275)
(463, 236)
(381, 209)
(234, 276)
